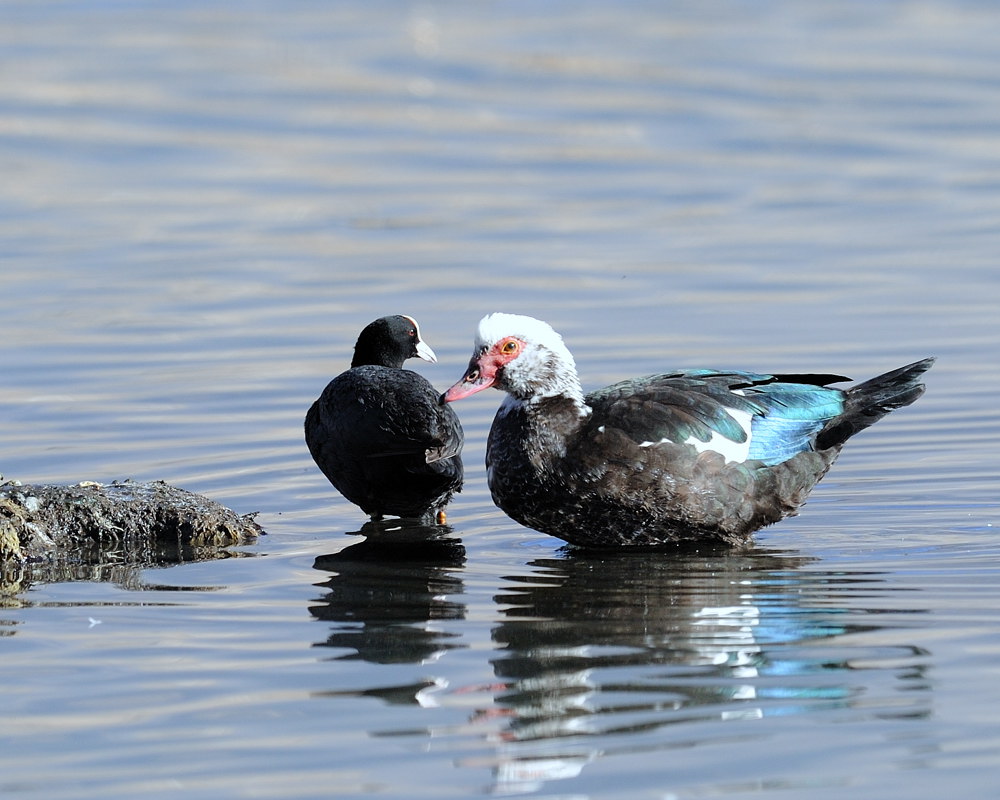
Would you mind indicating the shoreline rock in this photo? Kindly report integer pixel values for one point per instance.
(65, 527)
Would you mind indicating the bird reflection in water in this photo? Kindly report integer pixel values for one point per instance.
(601, 653)
(389, 593)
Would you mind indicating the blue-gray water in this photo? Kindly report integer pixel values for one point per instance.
(203, 202)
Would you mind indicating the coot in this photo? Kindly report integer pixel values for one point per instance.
(379, 433)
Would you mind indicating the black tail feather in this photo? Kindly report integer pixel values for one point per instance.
(868, 402)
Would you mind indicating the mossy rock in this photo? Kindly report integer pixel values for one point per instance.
(54, 531)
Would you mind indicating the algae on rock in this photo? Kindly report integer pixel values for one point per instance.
(56, 529)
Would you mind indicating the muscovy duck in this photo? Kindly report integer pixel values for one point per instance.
(687, 455)
(379, 433)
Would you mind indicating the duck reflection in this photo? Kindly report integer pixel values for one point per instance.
(617, 649)
(389, 593)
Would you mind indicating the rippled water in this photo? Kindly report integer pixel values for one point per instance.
(202, 205)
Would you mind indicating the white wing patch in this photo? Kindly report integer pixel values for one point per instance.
(727, 448)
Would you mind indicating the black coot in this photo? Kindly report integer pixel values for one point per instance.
(380, 433)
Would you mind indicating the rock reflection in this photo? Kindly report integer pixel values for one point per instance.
(122, 563)
(621, 650)
(389, 593)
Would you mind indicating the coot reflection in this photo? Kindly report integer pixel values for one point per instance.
(384, 593)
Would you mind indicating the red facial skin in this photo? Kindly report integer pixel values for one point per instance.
(483, 369)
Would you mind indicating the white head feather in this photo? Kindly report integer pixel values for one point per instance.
(545, 368)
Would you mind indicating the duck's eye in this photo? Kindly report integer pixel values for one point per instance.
(508, 347)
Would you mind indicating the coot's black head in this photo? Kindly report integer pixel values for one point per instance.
(389, 341)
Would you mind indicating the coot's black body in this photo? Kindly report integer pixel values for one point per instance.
(379, 433)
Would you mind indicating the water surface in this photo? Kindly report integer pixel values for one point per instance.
(204, 203)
